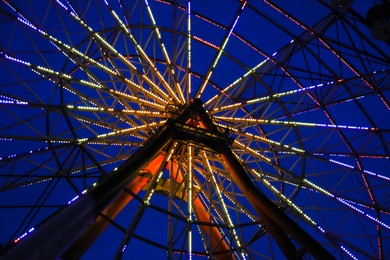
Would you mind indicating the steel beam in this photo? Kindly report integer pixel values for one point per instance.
(68, 223)
(82, 243)
(276, 222)
(59, 230)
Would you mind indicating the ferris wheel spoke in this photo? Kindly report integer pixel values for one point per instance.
(101, 139)
(305, 183)
(189, 51)
(128, 112)
(87, 170)
(201, 207)
(239, 248)
(233, 134)
(72, 141)
(333, 88)
(292, 175)
(368, 188)
(362, 133)
(215, 239)
(104, 44)
(226, 214)
(348, 203)
(33, 211)
(165, 53)
(32, 167)
(220, 50)
(223, 185)
(83, 115)
(145, 57)
(247, 122)
(325, 232)
(294, 151)
(57, 76)
(359, 74)
(71, 51)
(278, 58)
(126, 131)
(46, 167)
(156, 172)
(339, 55)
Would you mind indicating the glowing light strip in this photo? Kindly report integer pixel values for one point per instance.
(10, 100)
(298, 150)
(101, 39)
(224, 207)
(120, 111)
(263, 139)
(149, 196)
(24, 235)
(143, 76)
(236, 82)
(88, 121)
(189, 49)
(14, 59)
(203, 239)
(376, 174)
(290, 123)
(206, 202)
(145, 91)
(43, 71)
(372, 156)
(252, 151)
(120, 56)
(189, 199)
(285, 199)
(220, 51)
(271, 97)
(313, 32)
(61, 46)
(146, 58)
(64, 141)
(31, 152)
(79, 170)
(357, 169)
(73, 200)
(123, 131)
(262, 63)
(166, 56)
(346, 203)
(137, 99)
(297, 209)
(239, 207)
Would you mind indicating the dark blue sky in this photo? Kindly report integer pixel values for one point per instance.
(302, 87)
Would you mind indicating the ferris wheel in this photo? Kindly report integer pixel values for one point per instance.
(194, 129)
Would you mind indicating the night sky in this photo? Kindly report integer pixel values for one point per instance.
(298, 92)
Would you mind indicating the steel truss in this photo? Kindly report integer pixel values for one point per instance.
(179, 129)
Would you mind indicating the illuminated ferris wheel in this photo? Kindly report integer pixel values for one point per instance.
(194, 129)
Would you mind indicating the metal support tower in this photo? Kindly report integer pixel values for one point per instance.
(69, 232)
